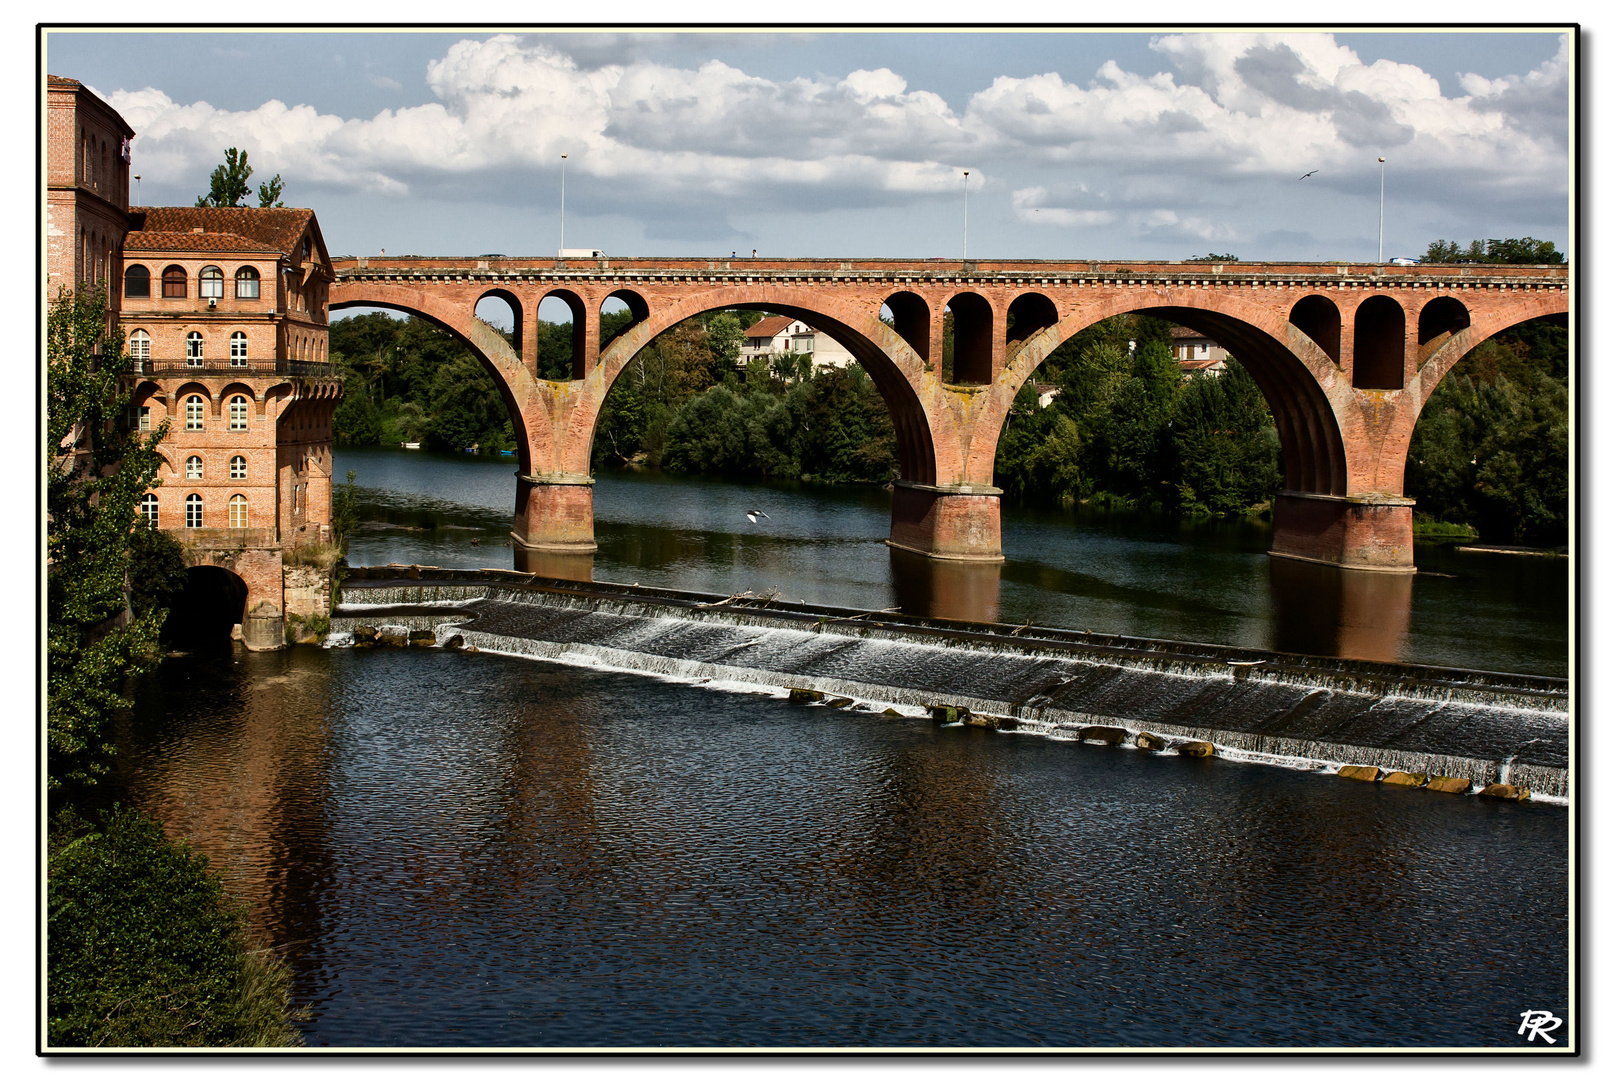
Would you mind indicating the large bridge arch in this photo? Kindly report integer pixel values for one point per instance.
(1483, 325)
(517, 386)
(1301, 383)
(897, 371)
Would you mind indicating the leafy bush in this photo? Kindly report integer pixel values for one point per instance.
(145, 949)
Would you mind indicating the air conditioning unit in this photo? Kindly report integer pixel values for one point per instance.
(213, 302)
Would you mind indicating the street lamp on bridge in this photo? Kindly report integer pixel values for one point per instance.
(1380, 228)
(564, 203)
(965, 240)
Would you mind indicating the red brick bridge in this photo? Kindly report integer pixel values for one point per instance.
(1346, 354)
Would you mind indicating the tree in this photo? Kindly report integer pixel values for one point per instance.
(1524, 251)
(269, 194)
(228, 184)
(96, 471)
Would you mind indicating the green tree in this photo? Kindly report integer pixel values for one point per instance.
(1523, 251)
(96, 470)
(145, 948)
(269, 194)
(228, 184)
(1227, 447)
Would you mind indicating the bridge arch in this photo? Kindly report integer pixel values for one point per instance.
(1482, 325)
(1298, 379)
(517, 387)
(514, 303)
(911, 318)
(899, 374)
(973, 338)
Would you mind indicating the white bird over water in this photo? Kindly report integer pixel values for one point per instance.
(753, 515)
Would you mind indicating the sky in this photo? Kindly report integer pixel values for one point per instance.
(1150, 145)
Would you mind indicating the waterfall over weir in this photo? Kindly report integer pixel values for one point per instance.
(1304, 712)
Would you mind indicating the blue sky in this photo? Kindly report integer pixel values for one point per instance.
(1106, 145)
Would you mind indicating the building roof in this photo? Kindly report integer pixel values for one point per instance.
(1181, 333)
(1199, 365)
(769, 327)
(279, 229)
(146, 240)
(62, 85)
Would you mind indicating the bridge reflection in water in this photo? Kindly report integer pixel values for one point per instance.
(1328, 611)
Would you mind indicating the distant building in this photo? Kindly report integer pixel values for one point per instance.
(776, 334)
(1196, 353)
(223, 313)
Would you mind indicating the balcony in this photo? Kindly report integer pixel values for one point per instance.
(246, 369)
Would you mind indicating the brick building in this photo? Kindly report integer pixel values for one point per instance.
(223, 311)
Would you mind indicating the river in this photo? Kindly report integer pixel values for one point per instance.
(458, 850)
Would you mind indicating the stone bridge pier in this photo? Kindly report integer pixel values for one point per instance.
(1346, 356)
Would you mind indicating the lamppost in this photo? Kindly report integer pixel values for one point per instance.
(563, 203)
(1380, 228)
(965, 240)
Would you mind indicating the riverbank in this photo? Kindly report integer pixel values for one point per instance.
(1301, 712)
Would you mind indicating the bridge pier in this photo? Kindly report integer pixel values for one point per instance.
(956, 521)
(555, 512)
(1356, 532)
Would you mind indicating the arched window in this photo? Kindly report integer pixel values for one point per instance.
(238, 511)
(193, 348)
(194, 411)
(238, 413)
(193, 511)
(246, 283)
(238, 468)
(210, 285)
(137, 282)
(139, 349)
(193, 468)
(238, 349)
(174, 283)
(148, 510)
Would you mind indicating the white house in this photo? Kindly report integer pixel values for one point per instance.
(1195, 352)
(774, 334)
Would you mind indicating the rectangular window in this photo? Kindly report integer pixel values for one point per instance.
(246, 288)
(145, 418)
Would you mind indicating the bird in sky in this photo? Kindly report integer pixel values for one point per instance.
(753, 515)
(1307, 174)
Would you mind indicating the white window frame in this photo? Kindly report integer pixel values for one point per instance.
(210, 283)
(195, 412)
(238, 502)
(193, 467)
(193, 511)
(238, 349)
(194, 347)
(145, 418)
(148, 509)
(247, 276)
(238, 412)
(140, 349)
(238, 468)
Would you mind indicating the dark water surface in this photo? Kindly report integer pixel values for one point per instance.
(466, 850)
(1119, 573)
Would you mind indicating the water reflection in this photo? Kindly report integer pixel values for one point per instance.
(1328, 611)
(553, 564)
(945, 588)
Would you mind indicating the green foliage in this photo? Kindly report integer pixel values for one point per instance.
(408, 381)
(1524, 251)
(156, 570)
(228, 184)
(344, 513)
(145, 949)
(1226, 444)
(1213, 257)
(96, 470)
(1494, 456)
(269, 194)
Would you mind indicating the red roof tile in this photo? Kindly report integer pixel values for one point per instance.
(276, 229)
(145, 240)
(769, 327)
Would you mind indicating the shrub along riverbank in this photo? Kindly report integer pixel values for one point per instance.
(143, 947)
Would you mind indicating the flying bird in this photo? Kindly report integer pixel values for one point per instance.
(753, 515)
(1305, 175)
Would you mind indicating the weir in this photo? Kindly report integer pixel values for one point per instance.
(1304, 712)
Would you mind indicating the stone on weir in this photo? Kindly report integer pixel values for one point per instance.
(1405, 779)
(804, 696)
(950, 714)
(1146, 741)
(1511, 792)
(1196, 748)
(1111, 736)
(1451, 785)
(1359, 772)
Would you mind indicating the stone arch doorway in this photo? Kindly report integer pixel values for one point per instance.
(212, 604)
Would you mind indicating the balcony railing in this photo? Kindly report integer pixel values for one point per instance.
(225, 367)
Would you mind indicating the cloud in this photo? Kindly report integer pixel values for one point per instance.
(684, 145)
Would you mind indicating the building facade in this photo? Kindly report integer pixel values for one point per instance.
(774, 335)
(223, 313)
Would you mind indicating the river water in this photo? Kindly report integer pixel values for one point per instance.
(460, 850)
